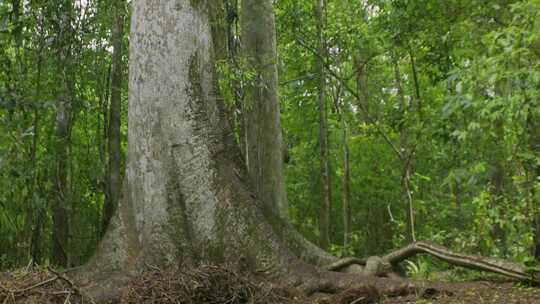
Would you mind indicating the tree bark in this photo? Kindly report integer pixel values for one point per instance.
(417, 96)
(326, 194)
(114, 175)
(264, 157)
(185, 197)
(61, 200)
(362, 83)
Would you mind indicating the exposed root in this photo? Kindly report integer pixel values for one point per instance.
(310, 280)
(383, 266)
(343, 263)
(481, 263)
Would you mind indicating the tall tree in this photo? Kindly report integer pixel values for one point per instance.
(115, 110)
(64, 115)
(186, 196)
(405, 155)
(264, 157)
(326, 194)
(346, 182)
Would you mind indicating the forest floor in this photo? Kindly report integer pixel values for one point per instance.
(214, 284)
(475, 292)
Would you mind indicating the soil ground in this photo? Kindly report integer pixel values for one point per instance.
(476, 292)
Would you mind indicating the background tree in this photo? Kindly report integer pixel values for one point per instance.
(263, 155)
(325, 179)
(114, 174)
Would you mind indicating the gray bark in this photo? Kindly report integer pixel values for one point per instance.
(114, 176)
(263, 154)
(186, 198)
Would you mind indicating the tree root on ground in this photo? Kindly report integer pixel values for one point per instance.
(383, 266)
(375, 277)
(305, 280)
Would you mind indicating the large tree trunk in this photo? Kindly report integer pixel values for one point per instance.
(186, 198)
(264, 157)
(113, 188)
(326, 194)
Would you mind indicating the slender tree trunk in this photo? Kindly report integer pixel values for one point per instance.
(61, 202)
(114, 175)
(533, 127)
(497, 198)
(61, 198)
(405, 158)
(34, 255)
(362, 82)
(37, 215)
(417, 96)
(346, 186)
(499, 175)
(326, 195)
(264, 156)
(104, 119)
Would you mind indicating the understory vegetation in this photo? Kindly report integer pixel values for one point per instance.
(432, 124)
